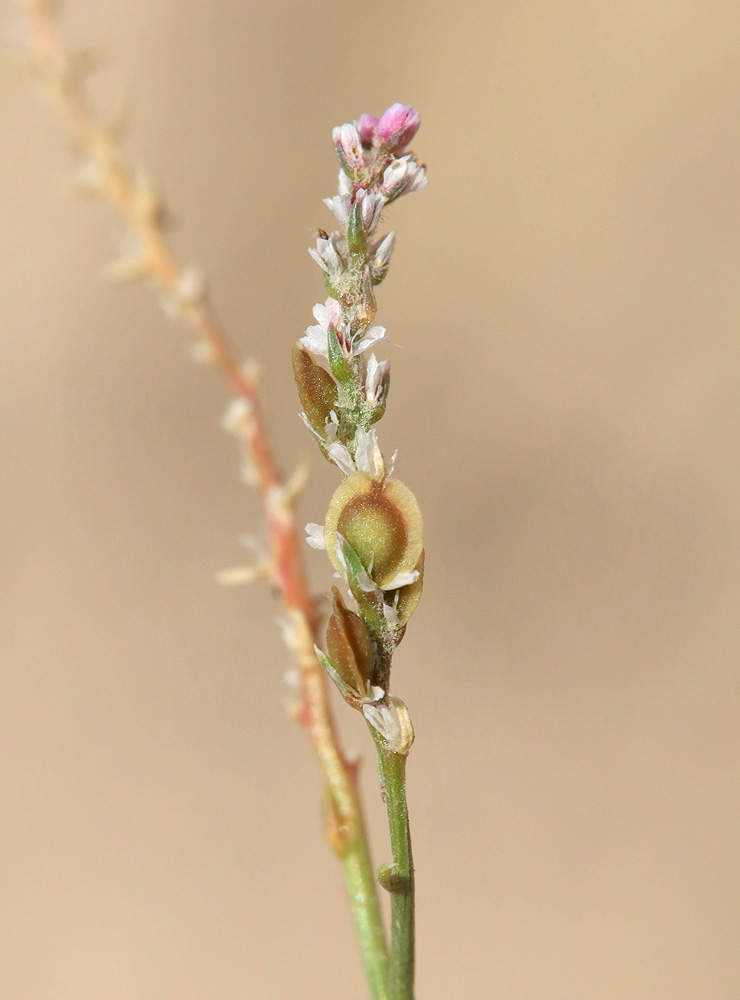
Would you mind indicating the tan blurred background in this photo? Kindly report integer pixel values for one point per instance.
(563, 307)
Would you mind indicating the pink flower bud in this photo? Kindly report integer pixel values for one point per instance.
(398, 126)
(366, 125)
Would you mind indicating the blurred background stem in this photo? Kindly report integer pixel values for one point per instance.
(63, 75)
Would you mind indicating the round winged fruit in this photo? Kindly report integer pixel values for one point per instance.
(382, 522)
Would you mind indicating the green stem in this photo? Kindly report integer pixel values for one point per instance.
(399, 880)
(362, 890)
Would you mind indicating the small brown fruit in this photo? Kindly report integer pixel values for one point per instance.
(317, 390)
(349, 646)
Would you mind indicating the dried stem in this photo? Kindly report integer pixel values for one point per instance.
(138, 204)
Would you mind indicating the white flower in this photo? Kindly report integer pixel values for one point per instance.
(368, 456)
(339, 205)
(402, 580)
(376, 372)
(372, 336)
(316, 341)
(347, 143)
(341, 457)
(342, 561)
(328, 316)
(390, 613)
(315, 535)
(402, 176)
(394, 177)
(374, 695)
(382, 254)
(331, 427)
(391, 719)
(420, 179)
(345, 184)
(327, 255)
(371, 205)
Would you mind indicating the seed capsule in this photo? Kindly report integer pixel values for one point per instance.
(410, 595)
(349, 646)
(381, 521)
(317, 390)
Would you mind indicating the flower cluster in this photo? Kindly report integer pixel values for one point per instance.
(373, 531)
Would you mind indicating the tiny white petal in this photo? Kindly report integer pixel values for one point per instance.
(315, 535)
(316, 341)
(420, 180)
(302, 416)
(391, 719)
(342, 458)
(373, 336)
(374, 694)
(371, 376)
(368, 456)
(395, 171)
(382, 717)
(372, 206)
(348, 139)
(366, 585)
(327, 252)
(320, 312)
(328, 313)
(339, 205)
(390, 613)
(340, 558)
(331, 427)
(364, 449)
(394, 177)
(376, 372)
(383, 251)
(402, 580)
(319, 259)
